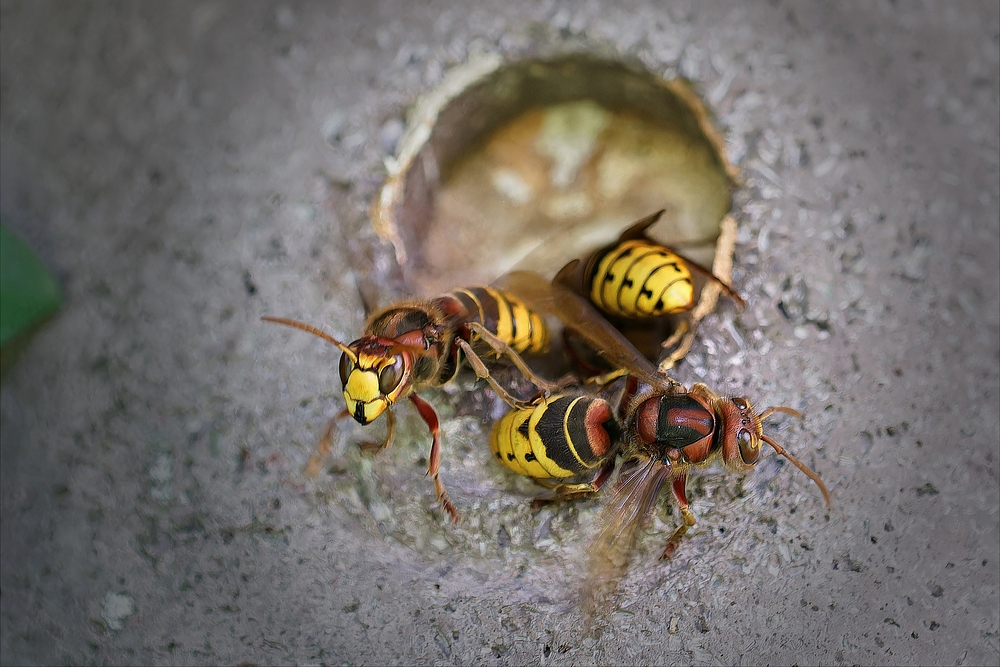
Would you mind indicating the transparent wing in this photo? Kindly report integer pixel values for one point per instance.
(620, 521)
(581, 318)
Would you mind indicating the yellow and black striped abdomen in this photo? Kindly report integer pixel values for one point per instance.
(506, 316)
(562, 436)
(639, 278)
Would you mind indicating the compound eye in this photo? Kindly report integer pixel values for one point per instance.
(741, 403)
(748, 451)
(390, 376)
(346, 368)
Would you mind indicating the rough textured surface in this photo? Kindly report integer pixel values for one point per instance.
(170, 162)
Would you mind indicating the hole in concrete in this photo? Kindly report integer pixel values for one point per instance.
(530, 164)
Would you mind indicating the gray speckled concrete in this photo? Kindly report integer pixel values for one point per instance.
(170, 163)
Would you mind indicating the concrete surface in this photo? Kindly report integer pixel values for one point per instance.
(171, 163)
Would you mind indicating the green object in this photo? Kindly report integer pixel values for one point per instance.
(28, 293)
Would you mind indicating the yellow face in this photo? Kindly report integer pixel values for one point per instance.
(372, 384)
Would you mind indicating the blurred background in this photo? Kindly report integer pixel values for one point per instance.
(183, 169)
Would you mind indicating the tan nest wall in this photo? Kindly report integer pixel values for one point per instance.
(530, 164)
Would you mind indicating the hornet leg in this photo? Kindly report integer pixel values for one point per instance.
(681, 341)
(376, 447)
(434, 461)
(681, 498)
(480, 368)
(562, 492)
(502, 348)
(315, 463)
